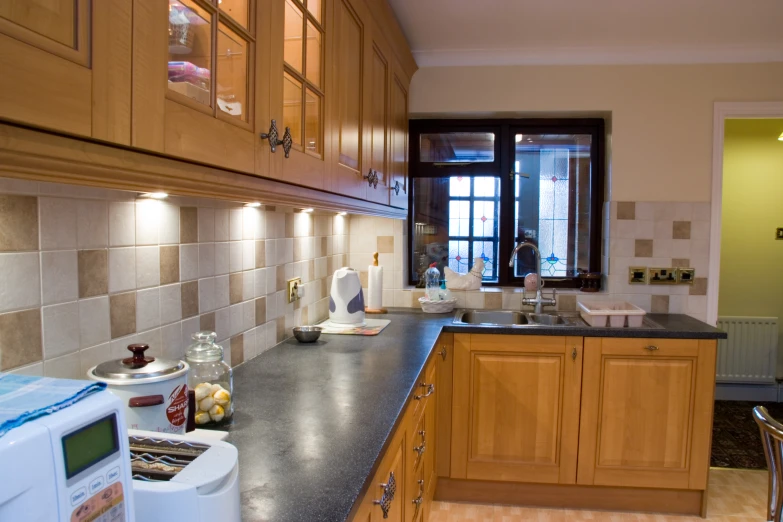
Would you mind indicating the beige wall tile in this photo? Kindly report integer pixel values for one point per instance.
(626, 210)
(18, 223)
(660, 304)
(189, 292)
(260, 311)
(20, 281)
(22, 342)
(93, 272)
(493, 300)
(207, 322)
(385, 244)
(188, 225)
(566, 303)
(681, 230)
(169, 264)
(644, 248)
(122, 314)
(237, 350)
(699, 286)
(58, 223)
(235, 287)
(59, 277)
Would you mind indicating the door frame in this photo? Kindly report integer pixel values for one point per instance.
(723, 111)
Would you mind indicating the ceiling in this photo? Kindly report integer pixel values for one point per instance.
(566, 32)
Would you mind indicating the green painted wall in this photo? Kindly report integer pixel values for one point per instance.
(751, 260)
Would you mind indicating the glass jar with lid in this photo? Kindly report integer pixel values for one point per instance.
(211, 380)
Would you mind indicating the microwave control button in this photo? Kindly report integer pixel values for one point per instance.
(113, 475)
(78, 496)
(96, 484)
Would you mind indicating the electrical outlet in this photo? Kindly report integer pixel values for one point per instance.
(637, 275)
(685, 275)
(662, 276)
(294, 286)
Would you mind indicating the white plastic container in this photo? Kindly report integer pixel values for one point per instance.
(616, 313)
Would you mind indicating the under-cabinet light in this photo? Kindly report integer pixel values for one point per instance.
(154, 195)
(306, 210)
(254, 204)
(342, 213)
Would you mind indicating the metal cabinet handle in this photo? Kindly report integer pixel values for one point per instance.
(423, 447)
(573, 354)
(443, 353)
(274, 138)
(430, 391)
(389, 489)
(372, 178)
(396, 188)
(651, 348)
(417, 501)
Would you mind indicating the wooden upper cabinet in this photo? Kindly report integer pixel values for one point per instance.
(66, 66)
(377, 69)
(348, 123)
(515, 413)
(646, 416)
(398, 164)
(193, 80)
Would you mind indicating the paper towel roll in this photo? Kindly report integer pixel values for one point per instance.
(374, 287)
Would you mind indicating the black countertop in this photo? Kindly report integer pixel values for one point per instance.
(311, 420)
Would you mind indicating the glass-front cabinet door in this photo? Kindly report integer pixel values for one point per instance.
(65, 66)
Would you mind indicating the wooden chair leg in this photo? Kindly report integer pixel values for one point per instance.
(776, 473)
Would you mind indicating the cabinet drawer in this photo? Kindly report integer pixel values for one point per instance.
(426, 388)
(642, 346)
(418, 441)
(416, 495)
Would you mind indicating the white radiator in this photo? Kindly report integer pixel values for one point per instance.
(750, 354)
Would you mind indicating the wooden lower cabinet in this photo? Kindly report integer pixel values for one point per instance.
(516, 408)
(646, 418)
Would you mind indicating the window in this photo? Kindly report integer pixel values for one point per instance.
(463, 207)
(209, 56)
(303, 91)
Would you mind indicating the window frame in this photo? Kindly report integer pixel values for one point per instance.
(504, 130)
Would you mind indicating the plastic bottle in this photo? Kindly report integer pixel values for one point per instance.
(432, 283)
(445, 293)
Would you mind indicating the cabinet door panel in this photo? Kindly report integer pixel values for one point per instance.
(646, 413)
(394, 462)
(522, 399)
(347, 98)
(377, 109)
(398, 163)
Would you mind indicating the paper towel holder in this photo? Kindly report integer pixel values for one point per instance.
(367, 309)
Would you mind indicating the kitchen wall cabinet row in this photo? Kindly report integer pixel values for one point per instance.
(603, 413)
(203, 80)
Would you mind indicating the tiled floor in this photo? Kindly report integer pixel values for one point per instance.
(734, 496)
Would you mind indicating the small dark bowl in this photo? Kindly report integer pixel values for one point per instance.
(307, 334)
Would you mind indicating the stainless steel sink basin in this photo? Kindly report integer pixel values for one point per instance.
(513, 318)
(491, 317)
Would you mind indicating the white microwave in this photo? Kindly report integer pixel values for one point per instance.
(78, 456)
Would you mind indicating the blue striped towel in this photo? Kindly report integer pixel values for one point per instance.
(24, 398)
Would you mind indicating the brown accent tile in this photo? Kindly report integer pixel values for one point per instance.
(280, 329)
(260, 311)
(660, 304)
(385, 244)
(323, 246)
(260, 254)
(206, 322)
(289, 225)
(681, 262)
(93, 272)
(235, 282)
(626, 210)
(699, 286)
(566, 303)
(189, 296)
(493, 300)
(21, 334)
(280, 279)
(269, 208)
(18, 223)
(363, 277)
(188, 225)
(169, 264)
(237, 350)
(122, 311)
(681, 230)
(644, 248)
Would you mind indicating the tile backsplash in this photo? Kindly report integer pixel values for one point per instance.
(84, 272)
(649, 234)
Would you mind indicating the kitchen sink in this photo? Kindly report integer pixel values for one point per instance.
(512, 318)
(491, 317)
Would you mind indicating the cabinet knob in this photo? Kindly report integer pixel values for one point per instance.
(417, 501)
(396, 188)
(443, 353)
(573, 354)
(651, 348)
(372, 178)
(274, 138)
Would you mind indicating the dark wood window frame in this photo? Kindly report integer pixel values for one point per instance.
(502, 165)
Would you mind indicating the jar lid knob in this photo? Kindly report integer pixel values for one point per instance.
(138, 360)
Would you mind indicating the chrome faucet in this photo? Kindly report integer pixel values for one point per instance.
(539, 301)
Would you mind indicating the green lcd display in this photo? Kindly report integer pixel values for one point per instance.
(91, 444)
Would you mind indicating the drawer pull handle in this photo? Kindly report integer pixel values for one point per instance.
(389, 489)
(430, 390)
(443, 353)
(651, 348)
(417, 501)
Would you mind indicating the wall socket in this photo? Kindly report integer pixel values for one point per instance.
(662, 276)
(637, 275)
(294, 287)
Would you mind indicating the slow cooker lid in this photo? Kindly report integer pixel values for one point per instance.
(138, 367)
